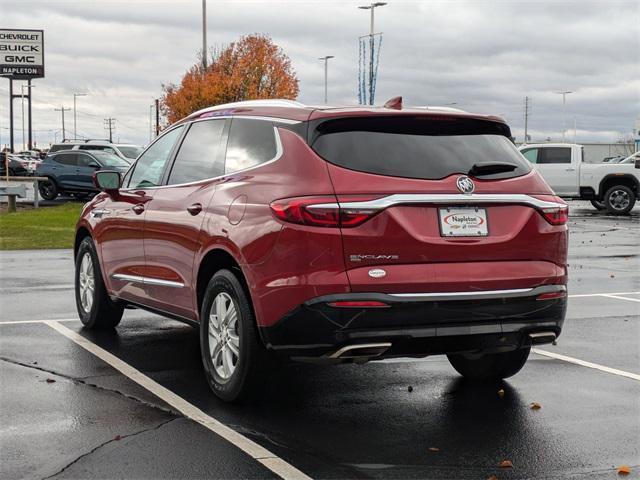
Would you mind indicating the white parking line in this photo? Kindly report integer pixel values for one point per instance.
(582, 363)
(622, 298)
(603, 294)
(19, 322)
(15, 289)
(271, 461)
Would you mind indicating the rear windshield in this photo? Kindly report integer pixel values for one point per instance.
(416, 147)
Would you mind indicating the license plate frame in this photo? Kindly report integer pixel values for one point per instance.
(457, 222)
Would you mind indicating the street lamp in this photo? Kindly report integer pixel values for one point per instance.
(325, 59)
(24, 144)
(75, 95)
(564, 94)
(371, 7)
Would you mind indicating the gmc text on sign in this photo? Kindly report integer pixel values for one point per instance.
(21, 53)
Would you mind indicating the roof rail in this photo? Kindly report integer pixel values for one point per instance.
(275, 102)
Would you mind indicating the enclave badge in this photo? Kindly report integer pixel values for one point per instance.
(465, 184)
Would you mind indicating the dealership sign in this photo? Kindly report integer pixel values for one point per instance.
(21, 53)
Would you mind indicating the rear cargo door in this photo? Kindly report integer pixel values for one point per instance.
(449, 202)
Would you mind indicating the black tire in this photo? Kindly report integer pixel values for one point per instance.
(95, 308)
(48, 189)
(598, 205)
(619, 200)
(491, 366)
(250, 365)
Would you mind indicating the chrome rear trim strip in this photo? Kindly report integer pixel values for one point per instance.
(146, 280)
(480, 295)
(443, 199)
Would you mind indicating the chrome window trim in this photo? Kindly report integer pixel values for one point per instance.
(146, 280)
(279, 152)
(443, 198)
(250, 117)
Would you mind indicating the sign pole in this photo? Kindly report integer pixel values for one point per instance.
(29, 126)
(11, 114)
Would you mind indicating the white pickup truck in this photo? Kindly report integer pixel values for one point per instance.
(612, 187)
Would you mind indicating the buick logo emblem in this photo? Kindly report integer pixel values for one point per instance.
(465, 184)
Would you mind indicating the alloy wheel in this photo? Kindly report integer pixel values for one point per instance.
(224, 341)
(619, 199)
(86, 280)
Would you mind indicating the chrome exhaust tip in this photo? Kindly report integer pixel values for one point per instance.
(361, 351)
(538, 338)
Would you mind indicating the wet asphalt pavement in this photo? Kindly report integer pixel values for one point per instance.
(65, 413)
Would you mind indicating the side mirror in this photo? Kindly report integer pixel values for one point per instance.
(107, 181)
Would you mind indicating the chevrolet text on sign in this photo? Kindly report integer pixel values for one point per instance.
(21, 53)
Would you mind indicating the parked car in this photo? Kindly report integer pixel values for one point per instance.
(71, 171)
(125, 151)
(633, 158)
(330, 235)
(613, 187)
(18, 166)
(614, 159)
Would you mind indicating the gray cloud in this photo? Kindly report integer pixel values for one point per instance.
(483, 55)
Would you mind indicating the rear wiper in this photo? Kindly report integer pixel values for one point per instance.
(489, 168)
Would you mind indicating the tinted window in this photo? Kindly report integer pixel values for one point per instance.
(148, 170)
(554, 155)
(85, 160)
(104, 148)
(416, 147)
(251, 142)
(110, 160)
(201, 154)
(531, 154)
(64, 146)
(66, 159)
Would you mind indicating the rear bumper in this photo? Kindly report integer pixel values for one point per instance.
(421, 324)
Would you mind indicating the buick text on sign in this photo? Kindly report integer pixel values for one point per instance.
(21, 53)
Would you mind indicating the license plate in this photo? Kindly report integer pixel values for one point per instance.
(463, 222)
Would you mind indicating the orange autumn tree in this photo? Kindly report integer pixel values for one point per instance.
(251, 68)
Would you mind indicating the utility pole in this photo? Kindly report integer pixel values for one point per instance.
(75, 95)
(527, 112)
(372, 7)
(157, 117)
(564, 94)
(110, 123)
(150, 123)
(62, 110)
(29, 87)
(325, 59)
(204, 36)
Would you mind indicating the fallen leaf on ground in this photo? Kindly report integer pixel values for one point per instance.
(434, 449)
(410, 388)
(117, 438)
(50, 380)
(501, 393)
(624, 470)
(492, 477)
(612, 276)
(506, 464)
(535, 406)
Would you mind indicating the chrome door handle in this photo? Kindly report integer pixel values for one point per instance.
(194, 209)
(138, 208)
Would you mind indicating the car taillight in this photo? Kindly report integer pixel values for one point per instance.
(556, 215)
(320, 212)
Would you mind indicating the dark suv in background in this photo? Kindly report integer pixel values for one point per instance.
(331, 235)
(71, 171)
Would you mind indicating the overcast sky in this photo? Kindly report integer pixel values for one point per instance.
(485, 56)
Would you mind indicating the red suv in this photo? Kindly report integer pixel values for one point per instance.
(331, 235)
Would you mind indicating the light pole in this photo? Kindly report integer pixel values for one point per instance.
(326, 61)
(371, 7)
(24, 144)
(564, 94)
(75, 95)
(204, 36)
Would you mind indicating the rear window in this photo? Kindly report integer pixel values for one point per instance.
(416, 147)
